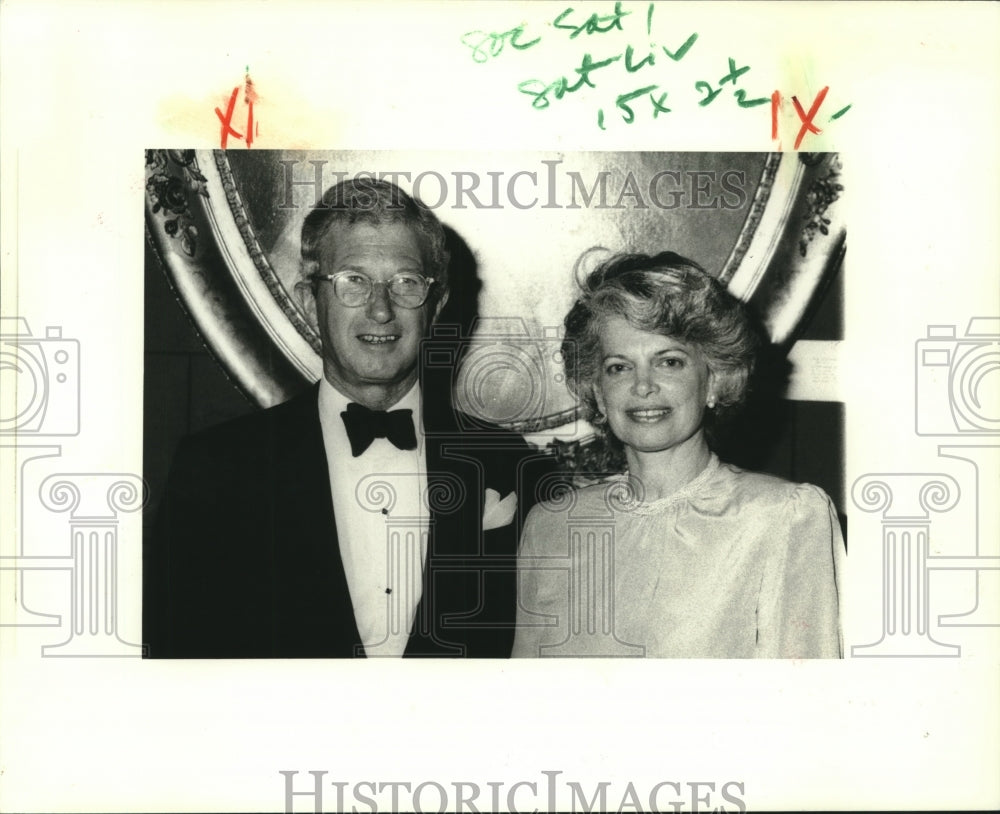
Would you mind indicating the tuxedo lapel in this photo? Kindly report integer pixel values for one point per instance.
(313, 609)
(311, 613)
(452, 500)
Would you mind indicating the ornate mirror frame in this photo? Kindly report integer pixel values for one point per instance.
(201, 222)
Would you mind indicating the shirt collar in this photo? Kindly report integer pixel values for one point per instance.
(332, 403)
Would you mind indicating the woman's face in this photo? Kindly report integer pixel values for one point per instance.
(652, 388)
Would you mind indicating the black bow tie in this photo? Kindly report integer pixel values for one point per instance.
(364, 426)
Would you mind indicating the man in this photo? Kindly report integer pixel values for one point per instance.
(365, 517)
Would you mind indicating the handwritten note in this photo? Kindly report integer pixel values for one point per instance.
(252, 128)
(626, 82)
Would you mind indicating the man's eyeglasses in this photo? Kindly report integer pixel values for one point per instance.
(406, 289)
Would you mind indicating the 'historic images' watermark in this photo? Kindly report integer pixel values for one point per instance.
(553, 793)
(547, 187)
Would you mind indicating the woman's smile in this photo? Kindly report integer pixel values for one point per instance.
(648, 415)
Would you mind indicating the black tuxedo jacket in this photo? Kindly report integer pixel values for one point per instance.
(244, 560)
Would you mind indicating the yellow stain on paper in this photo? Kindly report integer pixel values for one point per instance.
(278, 118)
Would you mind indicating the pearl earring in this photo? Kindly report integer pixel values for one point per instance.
(711, 402)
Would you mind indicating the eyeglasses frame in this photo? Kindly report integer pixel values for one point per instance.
(317, 277)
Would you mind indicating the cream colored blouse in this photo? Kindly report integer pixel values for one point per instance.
(734, 565)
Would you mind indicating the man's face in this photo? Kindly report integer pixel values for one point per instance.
(370, 351)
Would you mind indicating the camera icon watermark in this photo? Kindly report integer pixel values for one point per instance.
(583, 565)
(958, 379)
(504, 374)
(409, 513)
(43, 374)
(72, 584)
(397, 497)
(906, 502)
(957, 393)
(94, 504)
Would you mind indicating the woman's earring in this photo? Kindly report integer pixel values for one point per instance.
(711, 402)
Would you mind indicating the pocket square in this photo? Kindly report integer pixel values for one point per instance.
(497, 512)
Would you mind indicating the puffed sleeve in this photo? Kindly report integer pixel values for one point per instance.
(527, 636)
(798, 614)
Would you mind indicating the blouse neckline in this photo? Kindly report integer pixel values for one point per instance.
(626, 500)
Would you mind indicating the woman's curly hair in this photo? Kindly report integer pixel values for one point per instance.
(672, 296)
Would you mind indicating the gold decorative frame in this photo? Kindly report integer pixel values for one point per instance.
(200, 222)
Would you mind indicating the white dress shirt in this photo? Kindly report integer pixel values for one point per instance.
(382, 520)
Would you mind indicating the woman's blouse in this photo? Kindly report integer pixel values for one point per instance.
(733, 565)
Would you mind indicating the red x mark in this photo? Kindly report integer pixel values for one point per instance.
(227, 128)
(807, 118)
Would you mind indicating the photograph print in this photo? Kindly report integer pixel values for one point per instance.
(485, 405)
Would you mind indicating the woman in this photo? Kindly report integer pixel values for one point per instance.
(682, 555)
